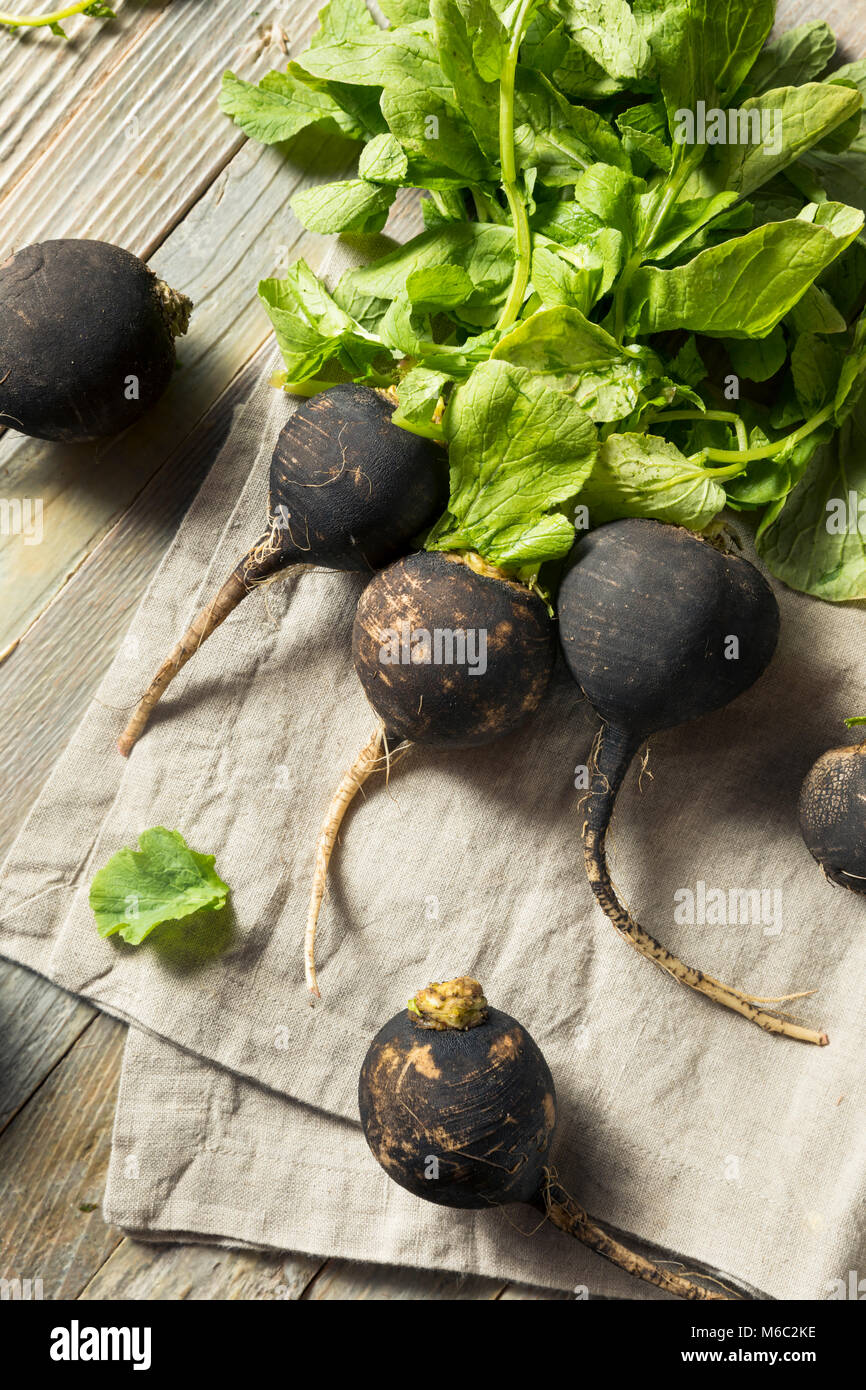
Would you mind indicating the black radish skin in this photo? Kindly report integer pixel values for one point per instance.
(444, 704)
(348, 490)
(87, 336)
(833, 815)
(458, 1106)
(658, 626)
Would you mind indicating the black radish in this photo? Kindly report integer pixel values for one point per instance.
(349, 490)
(451, 654)
(458, 1106)
(659, 626)
(833, 815)
(87, 337)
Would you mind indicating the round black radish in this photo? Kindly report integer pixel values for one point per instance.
(506, 634)
(481, 1085)
(450, 655)
(458, 1106)
(349, 490)
(86, 339)
(833, 815)
(658, 626)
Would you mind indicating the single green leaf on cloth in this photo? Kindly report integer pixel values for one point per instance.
(745, 286)
(517, 451)
(645, 475)
(816, 542)
(163, 881)
(353, 205)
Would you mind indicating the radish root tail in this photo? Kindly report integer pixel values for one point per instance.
(351, 783)
(567, 1215)
(610, 759)
(255, 567)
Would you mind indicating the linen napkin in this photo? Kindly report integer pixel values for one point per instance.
(237, 1118)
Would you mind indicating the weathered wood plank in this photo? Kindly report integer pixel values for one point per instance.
(139, 1270)
(341, 1281)
(54, 1159)
(113, 135)
(38, 1026)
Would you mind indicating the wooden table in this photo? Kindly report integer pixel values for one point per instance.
(116, 134)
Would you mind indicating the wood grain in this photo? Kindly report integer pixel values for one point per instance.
(54, 1159)
(139, 1270)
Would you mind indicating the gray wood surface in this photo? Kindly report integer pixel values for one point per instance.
(117, 135)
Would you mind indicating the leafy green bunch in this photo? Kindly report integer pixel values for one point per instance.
(590, 291)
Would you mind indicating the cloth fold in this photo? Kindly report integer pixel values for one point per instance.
(678, 1121)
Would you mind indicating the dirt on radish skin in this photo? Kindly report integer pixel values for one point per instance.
(425, 694)
(833, 815)
(348, 490)
(658, 626)
(87, 333)
(458, 1105)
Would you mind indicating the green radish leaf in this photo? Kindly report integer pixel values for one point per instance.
(815, 366)
(312, 331)
(162, 882)
(285, 103)
(703, 50)
(644, 131)
(757, 359)
(792, 58)
(789, 122)
(556, 138)
(852, 378)
(352, 206)
(384, 160)
(644, 475)
(418, 398)
(608, 32)
(744, 287)
(817, 541)
(516, 451)
(439, 287)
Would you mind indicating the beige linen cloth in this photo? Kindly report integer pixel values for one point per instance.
(237, 1117)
